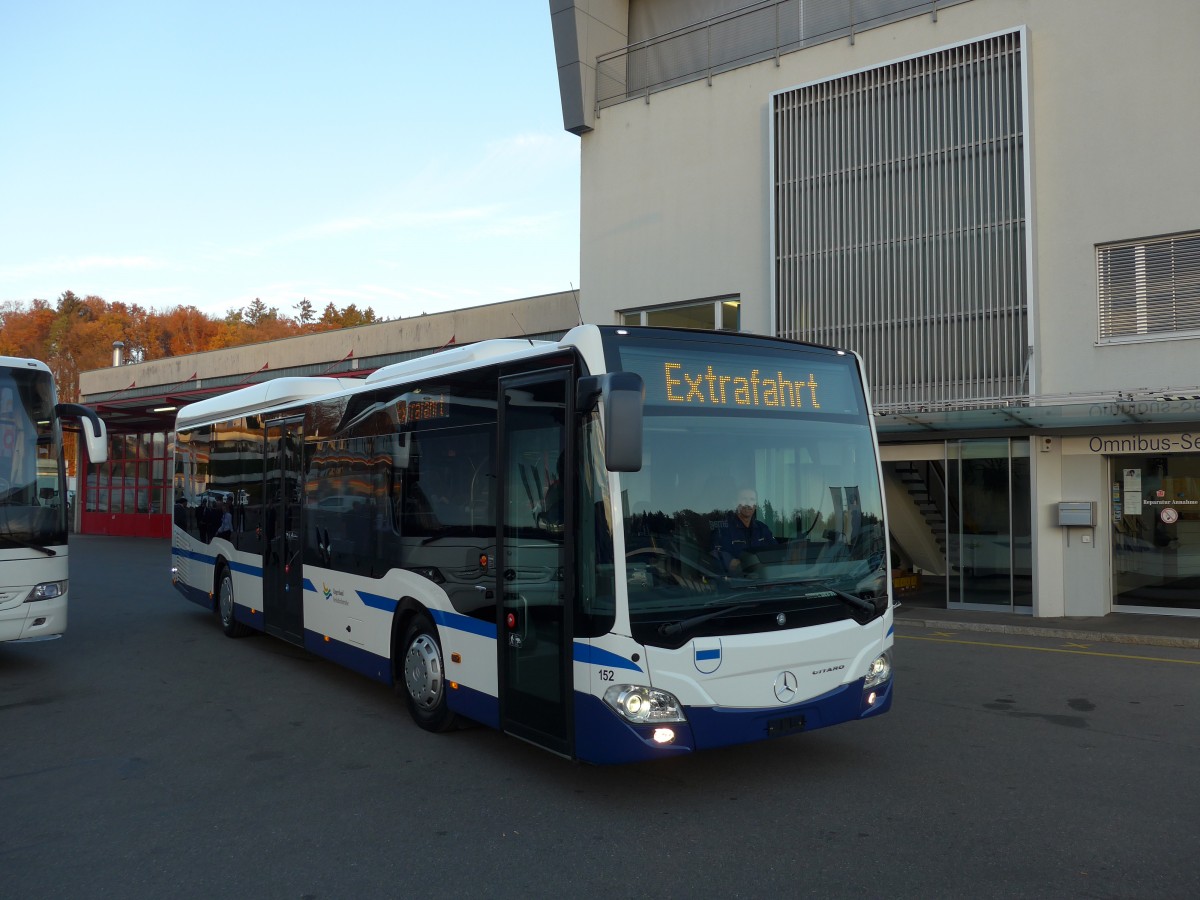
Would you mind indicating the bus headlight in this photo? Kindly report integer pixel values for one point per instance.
(47, 590)
(880, 669)
(643, 705)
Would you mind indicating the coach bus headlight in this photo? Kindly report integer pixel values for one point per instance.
(880, 670)
(643, 705)
(47, 590)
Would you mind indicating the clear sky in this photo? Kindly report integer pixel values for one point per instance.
(406, 156)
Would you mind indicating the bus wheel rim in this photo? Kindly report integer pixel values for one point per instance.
(423, 672)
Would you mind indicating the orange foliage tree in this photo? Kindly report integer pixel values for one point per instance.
(77, 333)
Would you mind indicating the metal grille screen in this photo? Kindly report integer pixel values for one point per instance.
(899, 223)
(1149, 289)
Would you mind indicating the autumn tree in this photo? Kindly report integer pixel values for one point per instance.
(187, 330)
(77, 333)
(352, 316)
(305, 315)
(26, 332)
(256, 312)
(81, 338)
(348, 317)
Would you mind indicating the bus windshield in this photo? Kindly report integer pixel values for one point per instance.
(758, 502)
(32, 511)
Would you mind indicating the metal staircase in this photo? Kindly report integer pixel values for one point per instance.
(917, 478)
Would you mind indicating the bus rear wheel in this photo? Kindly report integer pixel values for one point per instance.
(229, 623)
(424, 676)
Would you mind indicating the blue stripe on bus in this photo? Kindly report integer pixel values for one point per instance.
(377, 601)
(595, 656)
(464, 623)
(582, 653)
(210, 560)
(193, 554)
(715, 653)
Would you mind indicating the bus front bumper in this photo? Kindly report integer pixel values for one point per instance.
(603, 737)
(41, 620)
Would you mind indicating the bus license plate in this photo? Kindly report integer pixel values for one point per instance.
(786, 725)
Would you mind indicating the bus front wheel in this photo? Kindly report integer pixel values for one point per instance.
(425, 676)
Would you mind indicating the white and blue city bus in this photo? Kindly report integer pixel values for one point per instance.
(542, 536)
(34, 508)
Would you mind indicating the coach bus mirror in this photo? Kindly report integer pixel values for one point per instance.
(622, 397)
(95, 435)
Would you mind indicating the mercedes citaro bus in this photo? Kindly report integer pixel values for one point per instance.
(543, 536)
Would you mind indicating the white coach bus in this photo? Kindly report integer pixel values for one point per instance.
(34, 579)
(627, 544)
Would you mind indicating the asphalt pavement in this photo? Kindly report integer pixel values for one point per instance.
(1119, 628)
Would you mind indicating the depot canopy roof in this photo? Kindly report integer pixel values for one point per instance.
(1108, 415)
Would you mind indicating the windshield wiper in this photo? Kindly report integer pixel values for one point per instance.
(28, 546)
(864, 606)
(824, 589)
(667, 629)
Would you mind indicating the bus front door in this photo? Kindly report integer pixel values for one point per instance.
(283, 485)
(534, 576)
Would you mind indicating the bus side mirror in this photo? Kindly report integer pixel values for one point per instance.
(620, 395)
(95, 437)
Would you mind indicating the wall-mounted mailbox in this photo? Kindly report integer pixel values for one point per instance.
(1077, 512)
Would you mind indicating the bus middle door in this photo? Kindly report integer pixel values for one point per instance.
(283, 570)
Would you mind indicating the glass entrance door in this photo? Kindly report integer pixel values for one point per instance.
(961, 517)
(988, 528)
(534, 576)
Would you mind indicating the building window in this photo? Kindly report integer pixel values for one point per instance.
(135, 479)
(719, 314)
(899, 222)
(1149, 289)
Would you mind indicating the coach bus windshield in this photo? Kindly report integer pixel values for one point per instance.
(32, 512)
(758, 505)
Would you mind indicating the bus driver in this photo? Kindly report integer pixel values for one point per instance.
(740, 534)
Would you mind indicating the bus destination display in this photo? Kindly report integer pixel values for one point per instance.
(693, 381)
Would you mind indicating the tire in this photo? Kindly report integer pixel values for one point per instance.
(224, 606)
(422, 676)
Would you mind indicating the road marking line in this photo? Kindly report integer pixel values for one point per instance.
(942, 640)
(1079, 646)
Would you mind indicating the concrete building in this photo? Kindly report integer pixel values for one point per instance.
(131, 494)
(994, 201)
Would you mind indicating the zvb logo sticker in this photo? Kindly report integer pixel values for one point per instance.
(707, 656)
